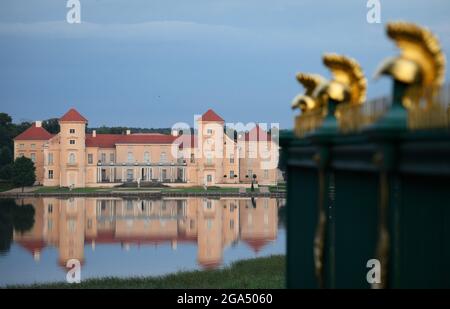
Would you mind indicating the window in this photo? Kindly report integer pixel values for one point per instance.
(50, 175)
(103, 157)
(50, 159)
(50, 224)
(266, 174)
(72, 142)
(129, 205)
(164, 174)
(72, 131)
(90, 158)
(72, 158)
(111, 157)
(163, 157)
(231, 224)
(232, 207)
(147, 157)
(71, 224)
(208, 178)
(129, 174)
(208, 204)
(21, 154)
(33, 157)
(50, 208)
(130, 157)
(21, 146)
(209, 131)
(231, 174)
(33, 146)
(209, 159)
(250, 174)
(209, 224)
(231, 160)
(192, 158)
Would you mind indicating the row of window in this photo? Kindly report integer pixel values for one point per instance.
(32, 156)
(22, 146)
(130, 157)
(72, 159)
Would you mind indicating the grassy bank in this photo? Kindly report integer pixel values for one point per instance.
(259, 273)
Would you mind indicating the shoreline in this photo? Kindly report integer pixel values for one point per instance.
(140, 194)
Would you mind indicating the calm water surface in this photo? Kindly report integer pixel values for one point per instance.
(135, 237)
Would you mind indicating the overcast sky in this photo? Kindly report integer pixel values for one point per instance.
(153, 63)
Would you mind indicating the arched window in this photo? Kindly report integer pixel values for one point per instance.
(72, 158)
(146, 157)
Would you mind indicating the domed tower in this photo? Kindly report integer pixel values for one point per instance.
(73, 149)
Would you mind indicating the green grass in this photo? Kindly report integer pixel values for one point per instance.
(259, 273)
(200, 189)
(66, 190)
(5, 186)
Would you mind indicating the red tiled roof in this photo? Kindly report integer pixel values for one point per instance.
(102, 140)
(257, 134)
(32, 245)
(212, 264)
(110, 140)
(34, 133)
(72, 115)
(146, 139)
(109, 237)
(257, 244)
(187, 141)
(211, 115)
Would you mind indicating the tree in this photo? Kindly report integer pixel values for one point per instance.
(23, 173)
(5, 120)
(51, 125)
(14, 218)
(5, 156)
(6, 172)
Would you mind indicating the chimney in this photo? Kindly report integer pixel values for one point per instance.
(38, 124)
(94, 133)
(128, 132)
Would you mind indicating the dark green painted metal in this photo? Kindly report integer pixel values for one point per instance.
(417, 165)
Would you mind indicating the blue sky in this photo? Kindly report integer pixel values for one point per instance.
(153, 63)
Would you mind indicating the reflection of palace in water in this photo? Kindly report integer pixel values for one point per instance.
(213, 224)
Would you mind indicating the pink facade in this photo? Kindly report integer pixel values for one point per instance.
(79, 159)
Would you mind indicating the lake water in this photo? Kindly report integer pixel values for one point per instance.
(133, 237)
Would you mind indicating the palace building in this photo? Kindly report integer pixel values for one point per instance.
(74, 158)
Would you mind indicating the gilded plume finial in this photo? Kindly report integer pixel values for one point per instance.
(349, 84)
(309, 100)
(421, 62)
